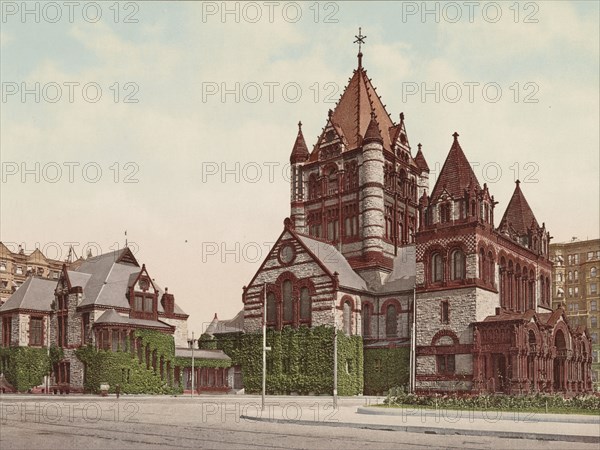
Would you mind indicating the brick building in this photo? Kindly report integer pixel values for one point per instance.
(16, 266)
(575, 285)
(365, 237)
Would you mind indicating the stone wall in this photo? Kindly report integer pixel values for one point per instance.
(181, 330)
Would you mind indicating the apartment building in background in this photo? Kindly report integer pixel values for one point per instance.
(576, 285)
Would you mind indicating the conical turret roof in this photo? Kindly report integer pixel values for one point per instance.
(456, 174)
(300, 150)
(518, 213)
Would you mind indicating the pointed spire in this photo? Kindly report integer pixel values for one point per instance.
(456, 174)
(518, 213)
(420, 160)
(299, 151)
(373, 134)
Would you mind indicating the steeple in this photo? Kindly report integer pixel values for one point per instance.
(456, 174)
(299, 151)
(518, 214)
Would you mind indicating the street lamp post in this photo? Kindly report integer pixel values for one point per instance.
(191, 343)
(264, 346)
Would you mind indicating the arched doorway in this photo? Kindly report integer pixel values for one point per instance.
(560, 361)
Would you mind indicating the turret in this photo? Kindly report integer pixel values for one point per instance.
(297, 159)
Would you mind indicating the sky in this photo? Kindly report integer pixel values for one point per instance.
(174, 121)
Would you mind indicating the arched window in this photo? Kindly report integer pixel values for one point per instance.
(491, 274)
(458, 265)
(560, 276)
(366, 319)
(482, 266)
(391, 321)
(576, 274)
(288, 306)
(347, 318)
(305, 306)
(593, 272)
(271, 310)
(437, 268)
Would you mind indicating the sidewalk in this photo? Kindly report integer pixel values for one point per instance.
(554, 427)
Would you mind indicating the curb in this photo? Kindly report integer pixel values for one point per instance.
(438, 430)
(491, 415)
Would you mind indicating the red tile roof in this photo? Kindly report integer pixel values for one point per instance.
(518, 214)
(456, 174)
(353, 111)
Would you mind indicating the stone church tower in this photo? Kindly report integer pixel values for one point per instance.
(359, 187)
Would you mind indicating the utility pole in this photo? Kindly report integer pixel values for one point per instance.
(335, 364)
(264, 346)
(413, 346)
(192, 344)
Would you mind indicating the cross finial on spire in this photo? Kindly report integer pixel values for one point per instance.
(455, 136)
(300, 126)
(360, 39)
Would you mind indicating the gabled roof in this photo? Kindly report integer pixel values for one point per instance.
(235, 325)
(109, 278)
(300, 150)
(35, 294)
(456, 174)
(518, 214)
(403, 274)
(333, 261)
(353, 111)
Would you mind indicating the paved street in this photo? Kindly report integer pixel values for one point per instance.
(209, 422)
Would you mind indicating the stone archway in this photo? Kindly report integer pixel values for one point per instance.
(559, 365)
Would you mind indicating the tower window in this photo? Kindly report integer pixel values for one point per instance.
(437, 268)
(458, 265)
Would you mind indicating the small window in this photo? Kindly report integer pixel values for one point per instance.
(445, 312)
(148, 304)
(590, 256)
(593, 288)
(19, 270)
(139, 303)
(593, 305)
(2, 266)
(593, 272)
(445, 364)
(593, 322)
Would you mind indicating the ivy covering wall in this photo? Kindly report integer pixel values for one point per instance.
(133, 377)
(25, 367)
(386, 368)
(300, 360)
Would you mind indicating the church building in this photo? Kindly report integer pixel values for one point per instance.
(367, 242)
